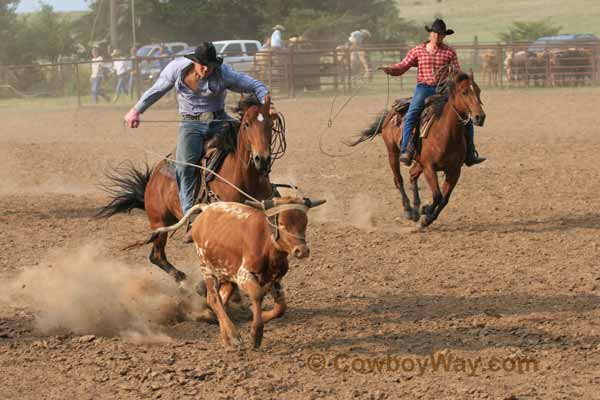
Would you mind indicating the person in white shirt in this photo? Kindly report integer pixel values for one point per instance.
(357, 39)
(96, 77)
(122, 68)
(276, 39)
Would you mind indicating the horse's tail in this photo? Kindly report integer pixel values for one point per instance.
(368, 134)
(195, 209)
(126, 186)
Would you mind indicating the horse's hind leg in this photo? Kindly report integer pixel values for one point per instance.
(158, 257)
(393, 155)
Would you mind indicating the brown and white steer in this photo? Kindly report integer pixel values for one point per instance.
(248, 245)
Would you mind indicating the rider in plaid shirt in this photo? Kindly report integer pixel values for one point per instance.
(432, 59)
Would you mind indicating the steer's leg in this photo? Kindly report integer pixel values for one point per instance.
(226, 291)
(248, 283)
(229, 333)
(280, 305)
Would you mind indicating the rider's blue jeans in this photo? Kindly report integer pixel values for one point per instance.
(413, 114)
(190, 149)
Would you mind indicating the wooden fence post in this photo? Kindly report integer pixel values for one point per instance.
(475, 61)
(271, 69)
(78, 85)
(291, 72)
(500, 66)
(138, 77)
(349, 65)
(335, 70)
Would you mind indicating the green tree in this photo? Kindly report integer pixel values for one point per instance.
(12, 31)
(521, 31)
(193, 21)
(49, 34)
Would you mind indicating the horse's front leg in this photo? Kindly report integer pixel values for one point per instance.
(415, 172)
(449, 185)
(429, 210)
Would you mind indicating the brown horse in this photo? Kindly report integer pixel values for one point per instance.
(247, 167)
(444, 148)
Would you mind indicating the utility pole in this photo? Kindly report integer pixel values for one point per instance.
(114, 41)
(133, 23)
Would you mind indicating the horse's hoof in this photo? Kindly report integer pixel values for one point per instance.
(415, 215)
(425, 210)
(201, 288)
(426, 221)
(409, 214)
(179, 276)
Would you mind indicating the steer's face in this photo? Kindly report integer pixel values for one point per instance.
(292, 230)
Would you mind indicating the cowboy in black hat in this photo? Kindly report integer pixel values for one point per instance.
(201, 81)
(432, 59)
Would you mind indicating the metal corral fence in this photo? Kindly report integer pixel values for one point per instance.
(311, 67)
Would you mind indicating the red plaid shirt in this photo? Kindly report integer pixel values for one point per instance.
(428, 64)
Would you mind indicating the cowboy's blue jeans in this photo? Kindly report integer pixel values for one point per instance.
(190, 149)
(413, 114)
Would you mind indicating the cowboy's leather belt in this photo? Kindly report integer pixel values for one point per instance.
(204, 117)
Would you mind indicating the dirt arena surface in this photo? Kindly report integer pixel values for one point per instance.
(504, 287)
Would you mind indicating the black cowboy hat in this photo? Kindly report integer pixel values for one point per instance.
(205, 54)
(439, 26)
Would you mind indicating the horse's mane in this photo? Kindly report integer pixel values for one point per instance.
(438, 102)
(245, 103)
(226, 139)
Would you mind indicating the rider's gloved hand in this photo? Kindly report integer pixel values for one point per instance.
(132, 118)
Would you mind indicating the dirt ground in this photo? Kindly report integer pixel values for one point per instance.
(498, 299)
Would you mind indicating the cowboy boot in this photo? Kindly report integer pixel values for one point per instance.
(406, 158)
(187, 238)
(472, 154)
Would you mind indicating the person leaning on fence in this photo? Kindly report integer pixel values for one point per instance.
(276, 37)
(357, 54)
(201, 81)
(122, 70)
(96, 76)
(433, 60)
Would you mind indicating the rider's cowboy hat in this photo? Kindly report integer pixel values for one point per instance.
(439, 26)
(205, 54)
(279, 28)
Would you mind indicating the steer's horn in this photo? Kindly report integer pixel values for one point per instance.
(313, 203)
(255, 204)
(261, 205)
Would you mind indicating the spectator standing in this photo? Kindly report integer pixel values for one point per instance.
(96, 76)
(276, 37)
(122, 68)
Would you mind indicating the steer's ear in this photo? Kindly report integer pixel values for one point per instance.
(313, 203)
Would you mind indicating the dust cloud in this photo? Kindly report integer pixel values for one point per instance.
(84, 292)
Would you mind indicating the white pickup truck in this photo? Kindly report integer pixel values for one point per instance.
(237, 53)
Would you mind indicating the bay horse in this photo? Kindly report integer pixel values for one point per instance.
(154, 191)
(444, 148)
